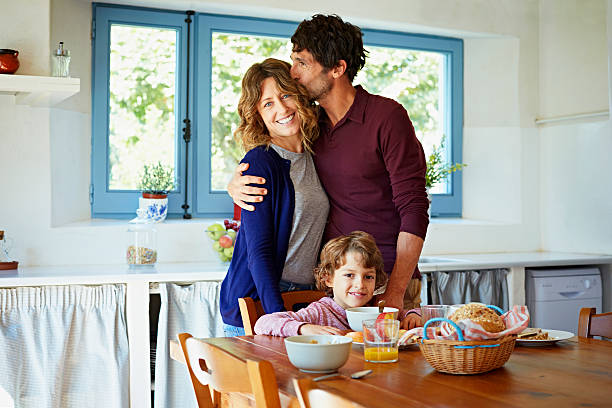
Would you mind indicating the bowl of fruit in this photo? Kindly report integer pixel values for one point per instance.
(223, 237)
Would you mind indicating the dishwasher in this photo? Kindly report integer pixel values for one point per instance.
(555, 296)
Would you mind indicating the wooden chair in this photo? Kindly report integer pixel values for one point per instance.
(591, 324)
(215, 372)
(310, 396)
(251, 310)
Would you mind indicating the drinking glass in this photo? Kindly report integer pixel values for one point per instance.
(431, 311)
(380, 338)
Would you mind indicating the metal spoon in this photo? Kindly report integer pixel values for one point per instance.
(381, 306)
(356, 375)
(360, 374)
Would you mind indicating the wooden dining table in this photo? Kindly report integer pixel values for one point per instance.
(569, 373)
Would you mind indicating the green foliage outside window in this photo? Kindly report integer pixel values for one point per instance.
(232, 55)
(142, 118)
(409, 77)
(142, 128)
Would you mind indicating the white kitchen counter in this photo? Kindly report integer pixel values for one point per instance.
(101, 274)
(215, 270)
(511, 259)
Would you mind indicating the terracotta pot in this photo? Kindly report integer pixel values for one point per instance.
(155, 196)
(9, 63)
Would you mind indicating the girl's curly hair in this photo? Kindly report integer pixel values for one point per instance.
(252, 131)
(333, 256)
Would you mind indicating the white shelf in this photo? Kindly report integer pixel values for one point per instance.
(38, 90)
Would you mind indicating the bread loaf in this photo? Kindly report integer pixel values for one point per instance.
(481, 314)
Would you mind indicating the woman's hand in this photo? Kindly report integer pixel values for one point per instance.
(241, 193)
(316, 329)
(411, 321)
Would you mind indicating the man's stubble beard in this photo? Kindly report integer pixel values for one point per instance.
(321, 88)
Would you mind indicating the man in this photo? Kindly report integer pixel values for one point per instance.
(367, 156)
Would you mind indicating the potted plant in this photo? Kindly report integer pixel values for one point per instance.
(438, 169)
(155, 183)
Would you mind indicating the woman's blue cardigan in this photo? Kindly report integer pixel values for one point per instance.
(261, 244)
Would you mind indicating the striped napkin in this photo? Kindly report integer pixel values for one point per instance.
(516, 320)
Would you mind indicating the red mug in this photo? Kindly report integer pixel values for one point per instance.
(9, 63)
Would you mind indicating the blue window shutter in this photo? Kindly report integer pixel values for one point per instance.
(116, 203)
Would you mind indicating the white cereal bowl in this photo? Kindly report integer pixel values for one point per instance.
(356, 315)
(318, 353)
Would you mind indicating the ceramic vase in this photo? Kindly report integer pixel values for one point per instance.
(155, 209)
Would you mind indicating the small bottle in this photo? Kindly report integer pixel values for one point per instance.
(60, 62)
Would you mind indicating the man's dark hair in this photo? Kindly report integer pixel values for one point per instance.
(329, 40)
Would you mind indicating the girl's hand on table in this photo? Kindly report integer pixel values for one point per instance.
(316, 329)
(411, 321)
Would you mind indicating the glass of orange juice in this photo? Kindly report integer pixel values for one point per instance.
(380, 338)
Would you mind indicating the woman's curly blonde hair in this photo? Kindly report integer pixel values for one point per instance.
(333, 256)
(252, 131)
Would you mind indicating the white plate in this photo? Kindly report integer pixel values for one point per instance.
(553, 337)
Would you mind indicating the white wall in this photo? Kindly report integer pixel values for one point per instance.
(24, 26)
(576, 172)
(573, 57)
(47, 181)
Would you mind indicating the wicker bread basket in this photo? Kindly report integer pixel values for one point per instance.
(465, 357)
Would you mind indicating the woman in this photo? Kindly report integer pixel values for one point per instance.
(277, 246)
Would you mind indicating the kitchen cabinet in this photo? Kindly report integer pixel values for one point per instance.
(137, 290)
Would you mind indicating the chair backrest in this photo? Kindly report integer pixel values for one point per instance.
(591, 324)
(310, 396)
(214, 371)
(251, 310)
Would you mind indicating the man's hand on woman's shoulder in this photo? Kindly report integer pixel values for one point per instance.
(241, 192)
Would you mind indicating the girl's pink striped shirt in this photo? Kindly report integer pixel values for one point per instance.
(324, 312)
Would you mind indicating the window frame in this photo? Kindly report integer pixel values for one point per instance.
(204, 202)
(123, 203)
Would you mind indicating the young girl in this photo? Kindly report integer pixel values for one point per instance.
(351, 269)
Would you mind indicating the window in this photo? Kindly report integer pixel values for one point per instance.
(140, 79)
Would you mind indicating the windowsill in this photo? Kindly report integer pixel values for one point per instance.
(467, 222)
(110, 222)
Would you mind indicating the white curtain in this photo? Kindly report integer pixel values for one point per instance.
(457, 287)
(192, 309)
(64, 346)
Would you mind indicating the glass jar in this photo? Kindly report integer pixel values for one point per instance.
(142, 243)
(6, 245)
(60, 62)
